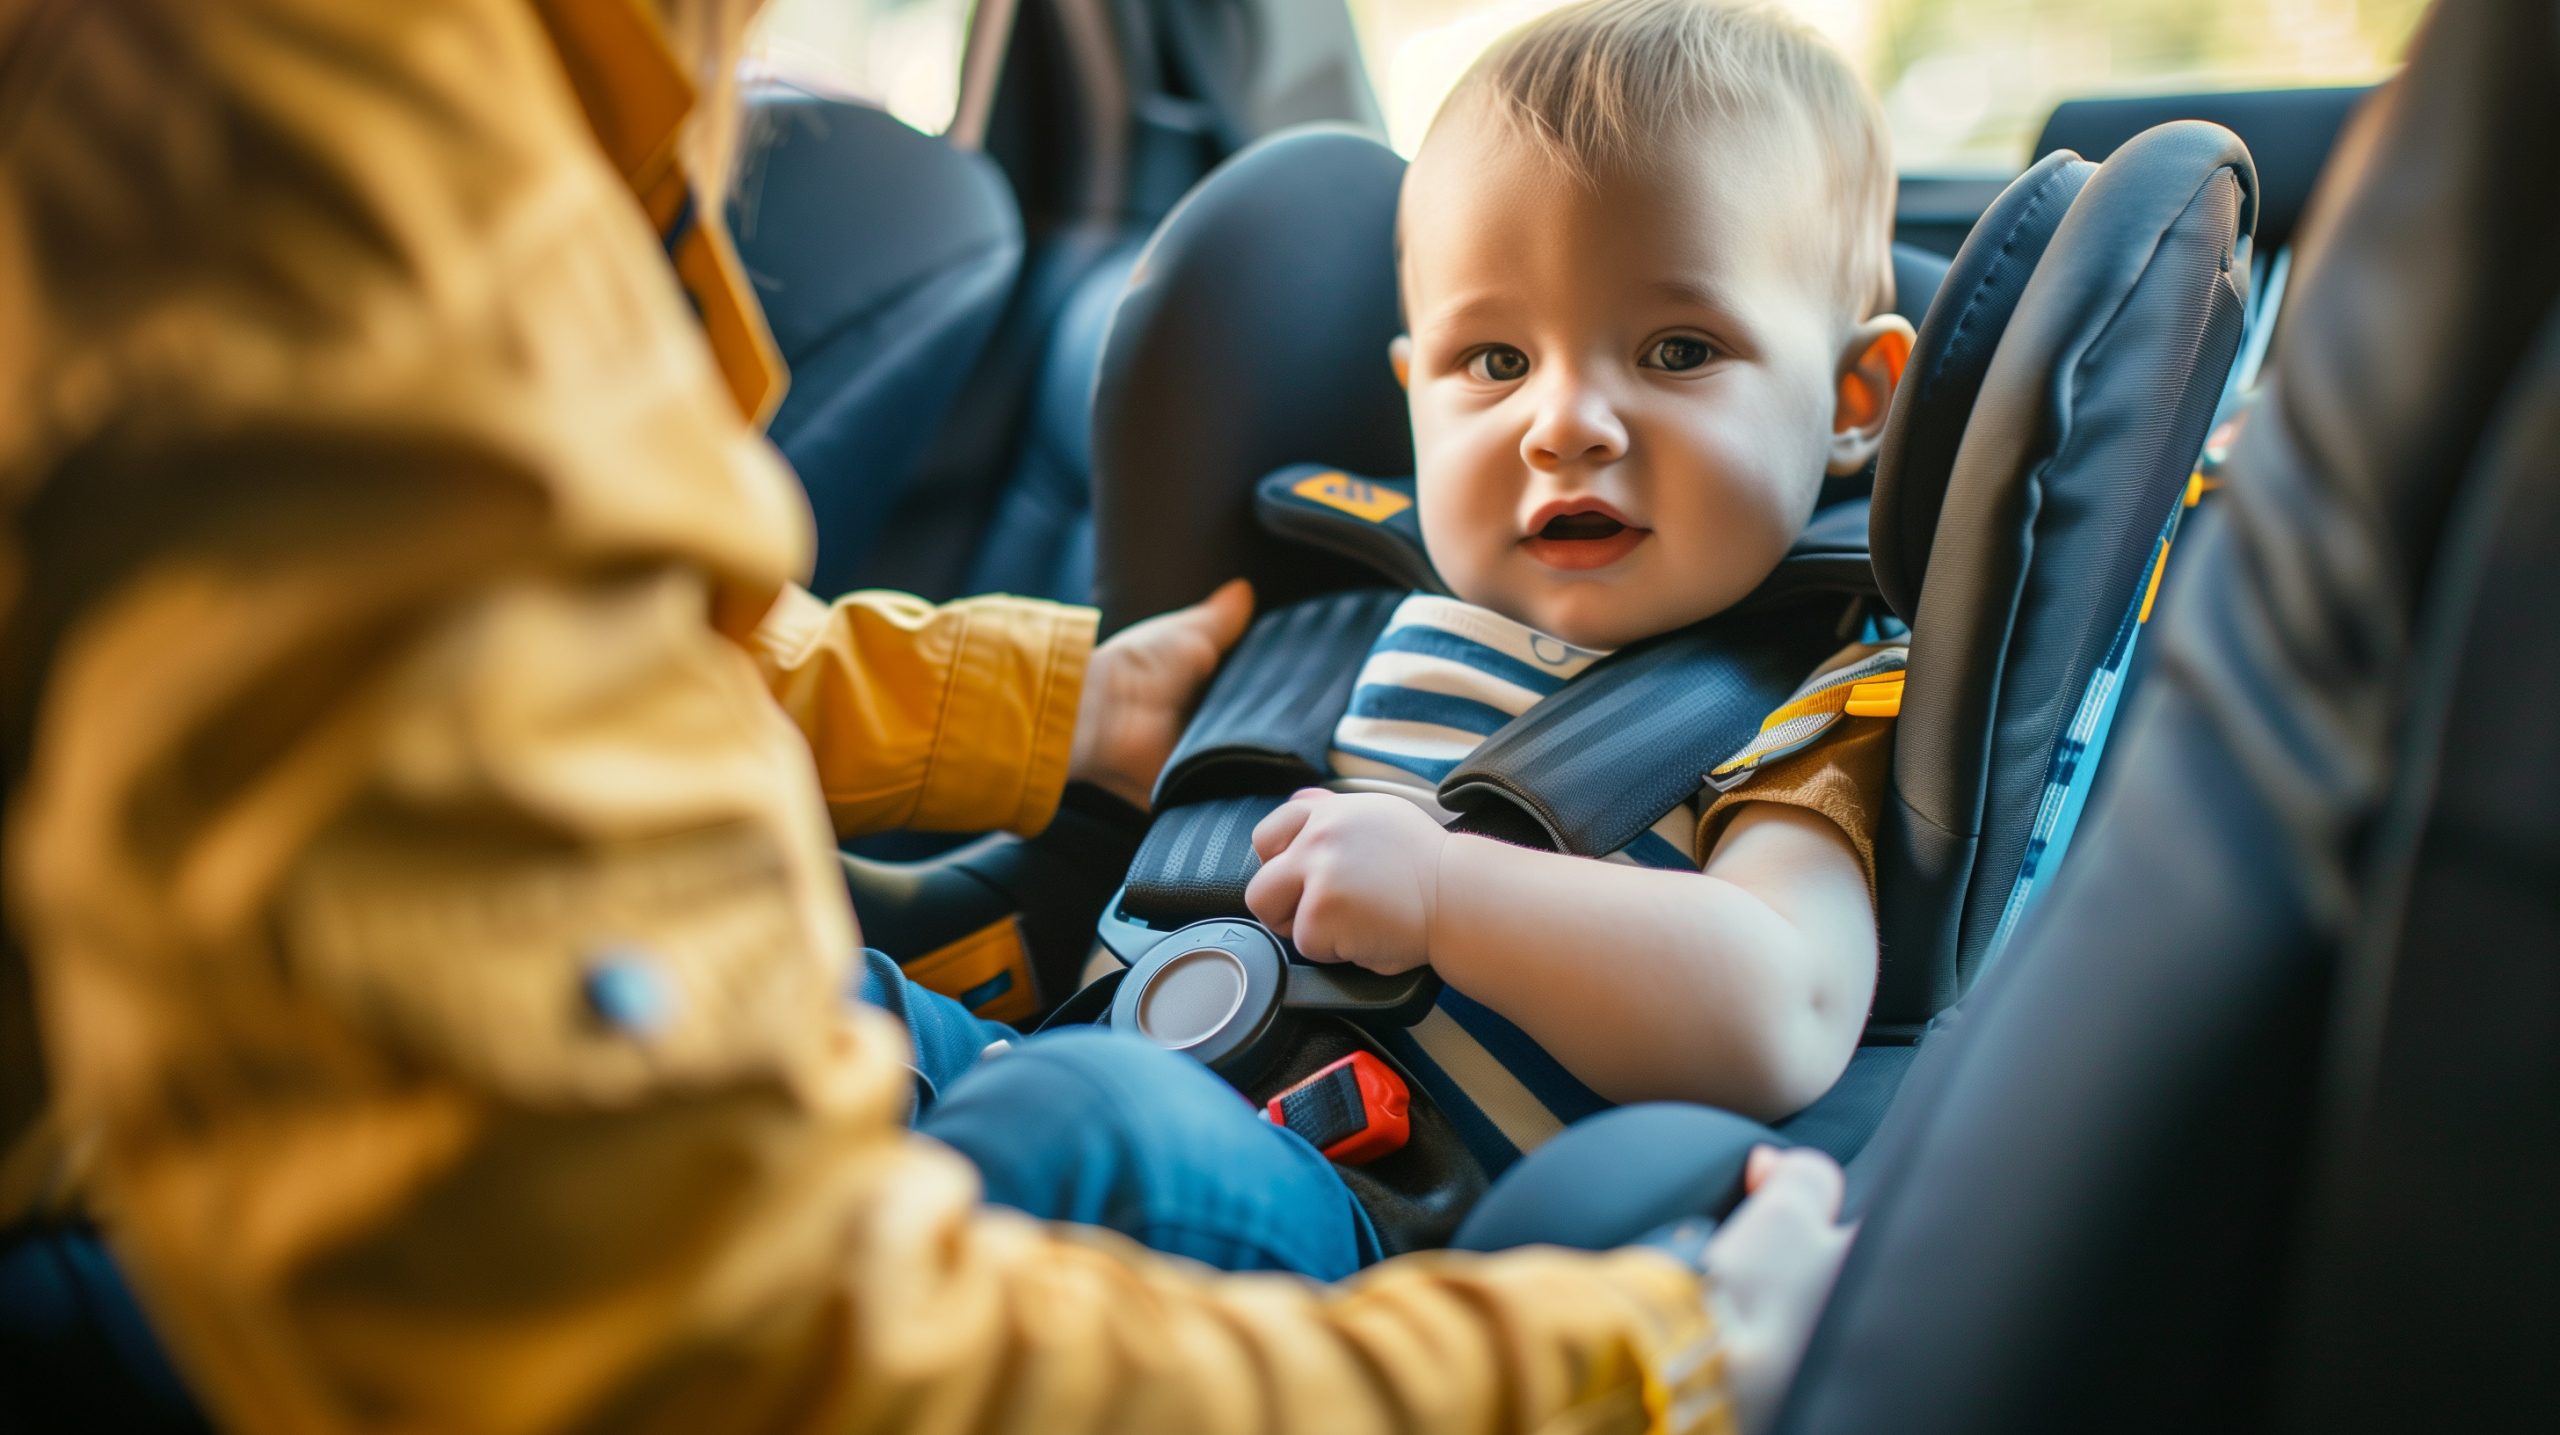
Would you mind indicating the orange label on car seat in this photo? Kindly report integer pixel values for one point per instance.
(1357, 497)
(987, 971)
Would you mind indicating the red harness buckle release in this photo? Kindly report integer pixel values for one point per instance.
(1354, 1111)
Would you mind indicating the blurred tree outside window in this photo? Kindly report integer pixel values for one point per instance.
(1965, 84)
(901, 55)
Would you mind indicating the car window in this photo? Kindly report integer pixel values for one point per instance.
(902, 55)
(1966, 84)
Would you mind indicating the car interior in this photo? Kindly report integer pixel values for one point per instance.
(2084, 325)
(2262, 1159)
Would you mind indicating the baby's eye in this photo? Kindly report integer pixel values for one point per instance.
(1677, 354)
(1498, 363)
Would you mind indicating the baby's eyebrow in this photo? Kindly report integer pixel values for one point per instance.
(1484, 304)
(1690, 293)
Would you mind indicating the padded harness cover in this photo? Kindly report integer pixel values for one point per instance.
(1591, 767)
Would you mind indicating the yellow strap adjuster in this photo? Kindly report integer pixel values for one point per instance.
(1877, 697)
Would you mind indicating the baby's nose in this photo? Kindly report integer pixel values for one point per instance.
(1576, 425)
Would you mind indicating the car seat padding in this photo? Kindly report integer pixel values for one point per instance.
(1266, 723)
(1949, 356)
(1595, 764)
(2089, 416)
(1253, 335)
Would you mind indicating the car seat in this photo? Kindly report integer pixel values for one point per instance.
(883, 259)
(2052, 454)
(2056, 443)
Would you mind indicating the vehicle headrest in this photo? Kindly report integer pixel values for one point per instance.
(2087, 421)
(1953, 351)
(1253, 336)
(882, 259)
(2289, 134)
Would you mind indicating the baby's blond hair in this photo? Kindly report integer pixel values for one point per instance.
(1613, 87)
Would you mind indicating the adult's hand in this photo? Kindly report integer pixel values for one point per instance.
(1770, 1269)
(1140, 688)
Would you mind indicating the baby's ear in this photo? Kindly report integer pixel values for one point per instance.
(1871, 366)
(1400, 358)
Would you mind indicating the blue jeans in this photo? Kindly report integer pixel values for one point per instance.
(1105, 1130)
(1080, 1126)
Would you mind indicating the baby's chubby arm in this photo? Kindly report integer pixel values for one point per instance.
(1743, 986)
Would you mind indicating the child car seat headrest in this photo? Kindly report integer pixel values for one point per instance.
(2053, 507)
(1952, 353)
(1254, 335)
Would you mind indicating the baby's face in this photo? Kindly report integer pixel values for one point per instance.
(1623, 398)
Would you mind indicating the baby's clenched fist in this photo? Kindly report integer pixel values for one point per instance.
(1350, 877)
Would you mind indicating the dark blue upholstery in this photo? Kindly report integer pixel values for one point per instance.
(1611, 1178)
(2088, 420)
(1040, 538)
(883, 259)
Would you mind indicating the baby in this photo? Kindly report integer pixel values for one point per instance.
(1645, 261)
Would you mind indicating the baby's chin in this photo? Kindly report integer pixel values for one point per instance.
(1603, 616)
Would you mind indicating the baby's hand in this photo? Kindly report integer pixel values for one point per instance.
(1350, 878)
(1141, 685)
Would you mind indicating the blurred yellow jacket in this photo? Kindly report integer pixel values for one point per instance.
(389, 580)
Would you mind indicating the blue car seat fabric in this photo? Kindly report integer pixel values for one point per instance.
(1186, 419)
(2250, 1130)
(1040, 538)
(1949, 357)
(76, 1352)
(883, 259)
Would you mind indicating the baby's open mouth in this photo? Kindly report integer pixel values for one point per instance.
(1581, 527)
(1583, 539)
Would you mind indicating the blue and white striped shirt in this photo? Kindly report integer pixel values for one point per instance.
(1442, 678)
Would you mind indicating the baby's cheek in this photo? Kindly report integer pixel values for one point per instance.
(1455, 537)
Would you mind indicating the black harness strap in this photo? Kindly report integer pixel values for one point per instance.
(1196, 861)
(1594, 765)
(1267, 721)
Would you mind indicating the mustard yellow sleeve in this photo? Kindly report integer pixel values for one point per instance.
(434, 928)
(954, 717)
(1843, 776)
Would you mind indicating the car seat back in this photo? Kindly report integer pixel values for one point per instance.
(2038, 522)
(1039, 539)
(882, 258)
